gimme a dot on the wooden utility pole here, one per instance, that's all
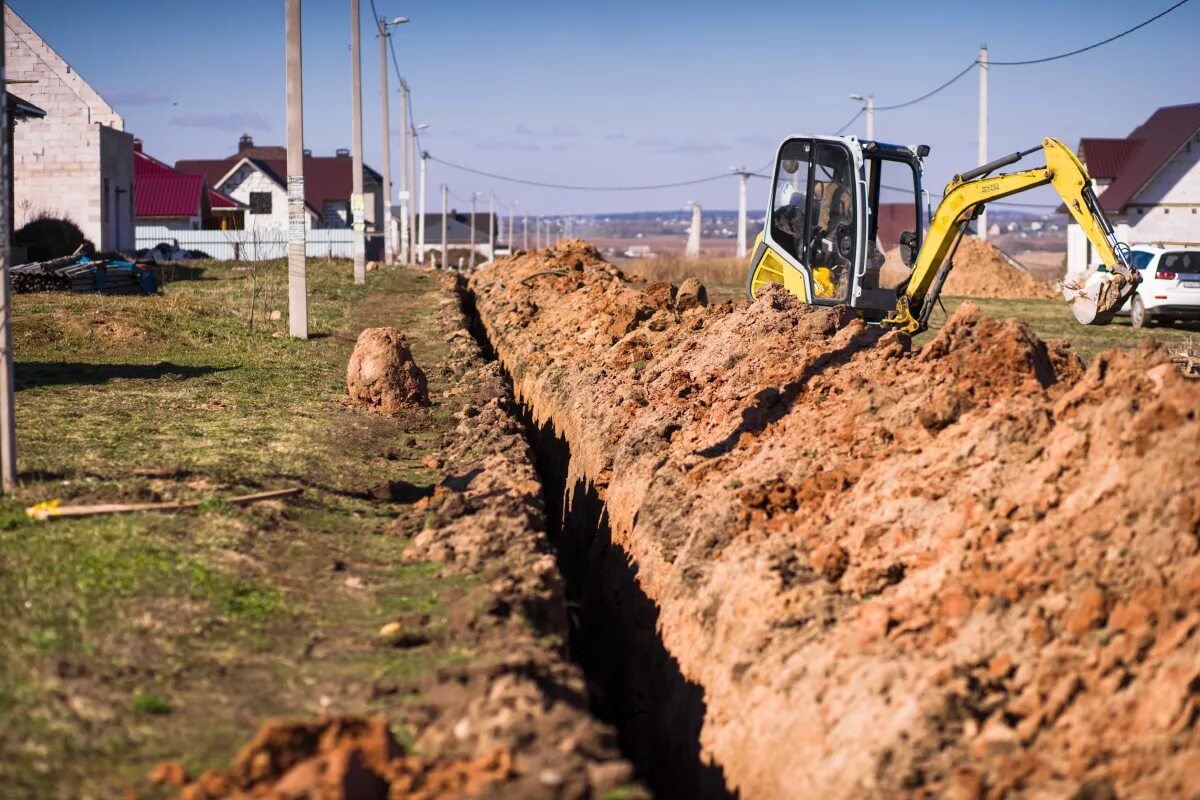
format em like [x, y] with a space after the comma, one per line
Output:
[388, 245]
[297, 213]
[445, 211]
[357, 202]
[8, 425]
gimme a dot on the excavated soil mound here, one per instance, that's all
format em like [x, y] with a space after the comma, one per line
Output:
[345, 758]
[382, 375]
[970, 570]
[980, 270]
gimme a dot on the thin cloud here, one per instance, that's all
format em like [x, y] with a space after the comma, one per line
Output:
[612, 137]
[757, 139]
[655, 142]
[236, 121]
[521, 130]
[497, 144]
[565, 132]
[142, 97]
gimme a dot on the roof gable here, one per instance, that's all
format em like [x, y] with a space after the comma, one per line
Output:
[1157, 140]
[327, 179]
[1105, 157]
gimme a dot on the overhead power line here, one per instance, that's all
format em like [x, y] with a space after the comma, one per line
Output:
[850, 122]
[570, 187]
[966, 70]
[1126, 32]
[930, 94]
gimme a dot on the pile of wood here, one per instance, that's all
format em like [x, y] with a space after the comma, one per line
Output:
[77, 274]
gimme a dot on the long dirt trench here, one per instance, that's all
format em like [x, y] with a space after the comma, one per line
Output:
[807, 560]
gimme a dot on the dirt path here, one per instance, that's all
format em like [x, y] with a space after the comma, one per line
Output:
[841, 567]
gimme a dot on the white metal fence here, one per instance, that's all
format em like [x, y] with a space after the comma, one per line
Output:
[249, 245]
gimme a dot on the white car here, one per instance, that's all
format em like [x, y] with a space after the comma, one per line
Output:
[1170, 287]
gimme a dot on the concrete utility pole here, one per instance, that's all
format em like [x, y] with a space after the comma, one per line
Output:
[693, 242]
[421, 211]
[357, 202]
[743, 175]
[388, 253]
[412, 181]
[982, 225]
[445, 212]
[491, 226]
[525, 232]
[537, 233]
[474, 197]
[512, 232]
[297, 233]
[8, 426]
[405, 186]
[870, 107]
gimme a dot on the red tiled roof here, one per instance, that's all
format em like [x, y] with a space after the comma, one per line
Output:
[326, 178]
[1158, 139]
[1105, 157]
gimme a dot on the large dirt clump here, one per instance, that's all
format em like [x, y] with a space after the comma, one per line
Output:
[980, 270]
[382, 375]
[967, 570]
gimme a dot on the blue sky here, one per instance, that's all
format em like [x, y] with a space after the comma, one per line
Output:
[626, 92]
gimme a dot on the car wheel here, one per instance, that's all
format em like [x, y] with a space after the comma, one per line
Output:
[1138, 317]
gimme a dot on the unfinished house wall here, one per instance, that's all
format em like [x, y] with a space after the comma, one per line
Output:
[60, 165]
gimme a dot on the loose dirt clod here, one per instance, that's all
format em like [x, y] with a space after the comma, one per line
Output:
[691, 294]
[382, 375]
[886, 571]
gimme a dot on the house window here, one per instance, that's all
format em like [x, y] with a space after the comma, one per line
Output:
[260, 202]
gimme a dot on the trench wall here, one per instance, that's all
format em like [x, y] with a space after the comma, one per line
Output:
[822, 563]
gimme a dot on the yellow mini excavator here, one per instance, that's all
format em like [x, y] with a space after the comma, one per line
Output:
[821, 234]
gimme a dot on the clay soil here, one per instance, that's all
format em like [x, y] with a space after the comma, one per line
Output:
[979, 271]
[969, 569]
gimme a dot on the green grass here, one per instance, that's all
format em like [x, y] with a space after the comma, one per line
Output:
[133, 638]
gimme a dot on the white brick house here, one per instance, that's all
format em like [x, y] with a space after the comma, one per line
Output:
[77, 163]
[265, 195]
[1147, 183]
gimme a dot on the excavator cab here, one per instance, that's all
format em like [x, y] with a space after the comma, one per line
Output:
[821, 239]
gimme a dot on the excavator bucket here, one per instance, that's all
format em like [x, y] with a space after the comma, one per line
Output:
[1097, 301]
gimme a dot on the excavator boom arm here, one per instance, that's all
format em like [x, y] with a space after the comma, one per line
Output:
[966, 193]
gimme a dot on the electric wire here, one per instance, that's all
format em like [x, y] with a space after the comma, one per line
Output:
[577, 188]
[1126, 32]
[930, 94]
[850, 121]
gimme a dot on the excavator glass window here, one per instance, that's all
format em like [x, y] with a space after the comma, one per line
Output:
[893, 239]
[813, 215]
[790, 204]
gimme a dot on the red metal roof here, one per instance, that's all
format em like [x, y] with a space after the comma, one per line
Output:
[160, 191]
[1105, 157]
[1156, 141]
[218, 200]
